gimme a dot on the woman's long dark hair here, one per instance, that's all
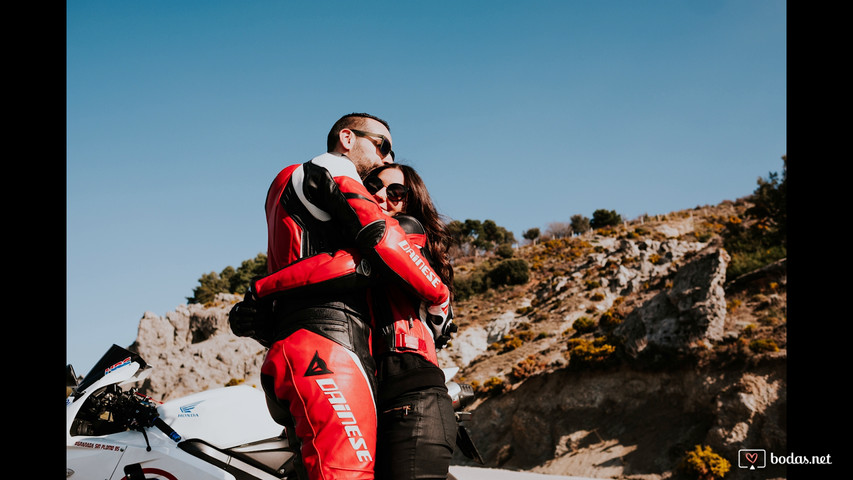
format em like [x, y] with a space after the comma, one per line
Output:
[419, 205]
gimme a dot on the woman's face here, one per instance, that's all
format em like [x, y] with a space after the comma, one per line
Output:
[388, 177]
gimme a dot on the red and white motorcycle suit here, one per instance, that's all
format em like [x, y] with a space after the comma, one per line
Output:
[319, 373]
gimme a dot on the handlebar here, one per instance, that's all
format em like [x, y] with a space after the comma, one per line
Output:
[145, 414]
[165, 428]
[126, 410]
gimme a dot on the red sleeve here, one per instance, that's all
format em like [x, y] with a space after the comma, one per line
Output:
[327, 272]
[321, 271]
[379, 237]
[384, 242]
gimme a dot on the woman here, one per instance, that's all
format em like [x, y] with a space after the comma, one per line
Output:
[417, 426]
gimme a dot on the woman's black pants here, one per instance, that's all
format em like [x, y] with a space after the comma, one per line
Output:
[415, 437]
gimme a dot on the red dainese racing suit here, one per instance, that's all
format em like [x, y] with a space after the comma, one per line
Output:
[319, 374]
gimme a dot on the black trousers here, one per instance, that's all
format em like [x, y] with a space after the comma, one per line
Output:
[415, 436]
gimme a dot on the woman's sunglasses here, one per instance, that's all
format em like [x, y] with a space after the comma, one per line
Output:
[395, 192]
[384, 145]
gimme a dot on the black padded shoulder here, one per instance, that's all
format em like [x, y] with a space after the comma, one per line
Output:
[410, 224]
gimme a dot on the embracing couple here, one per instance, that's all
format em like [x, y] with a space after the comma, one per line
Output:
[356, 303]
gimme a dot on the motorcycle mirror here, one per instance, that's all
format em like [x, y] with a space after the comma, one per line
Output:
[70, 377]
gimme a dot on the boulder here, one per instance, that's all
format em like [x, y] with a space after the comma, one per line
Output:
[688, 315]
[192, 349]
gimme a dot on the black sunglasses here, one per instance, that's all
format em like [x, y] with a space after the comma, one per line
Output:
[395, 192]
[384, 145]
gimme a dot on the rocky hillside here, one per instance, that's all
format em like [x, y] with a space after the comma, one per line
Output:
[624, 350]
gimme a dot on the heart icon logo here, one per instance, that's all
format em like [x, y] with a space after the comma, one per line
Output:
[752, 457]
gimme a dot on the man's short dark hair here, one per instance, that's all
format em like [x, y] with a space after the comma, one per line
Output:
[352, 120]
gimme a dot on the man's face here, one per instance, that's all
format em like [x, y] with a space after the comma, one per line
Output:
[365, 150]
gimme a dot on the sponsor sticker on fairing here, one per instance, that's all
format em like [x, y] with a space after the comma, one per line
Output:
[117, 365]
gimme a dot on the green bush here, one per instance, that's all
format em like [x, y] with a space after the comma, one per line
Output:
[514, 271]
[510, 343]
[230, 280]
[580, 224]
[209, 285]
[746, 259]
[512, 340]
[764, 240]
[531, 235]
[610, 320]
[510, 272]
[605, 218]
[763, 345]
[494, 385]
[770, 203]
[589, 353]
[475, 236]
[584, 325]
[249, 269]
[505, 250]
[473, 283]
[528, 367]
[704, 464]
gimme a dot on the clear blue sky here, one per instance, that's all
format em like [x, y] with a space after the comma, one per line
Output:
[179, 114]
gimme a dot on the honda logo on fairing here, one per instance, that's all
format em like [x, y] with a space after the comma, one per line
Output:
[187, 410]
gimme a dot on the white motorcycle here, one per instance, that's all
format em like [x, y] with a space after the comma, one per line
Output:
[224, 433]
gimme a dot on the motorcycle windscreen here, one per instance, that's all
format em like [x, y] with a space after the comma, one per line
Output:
[115, 357]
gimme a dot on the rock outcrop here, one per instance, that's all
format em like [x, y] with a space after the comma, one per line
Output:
[192, 349]
[626, 423]
[689, 315]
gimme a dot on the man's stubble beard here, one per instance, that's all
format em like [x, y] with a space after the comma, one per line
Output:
[362, 163]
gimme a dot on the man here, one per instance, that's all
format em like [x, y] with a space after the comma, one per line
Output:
[319, 373]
